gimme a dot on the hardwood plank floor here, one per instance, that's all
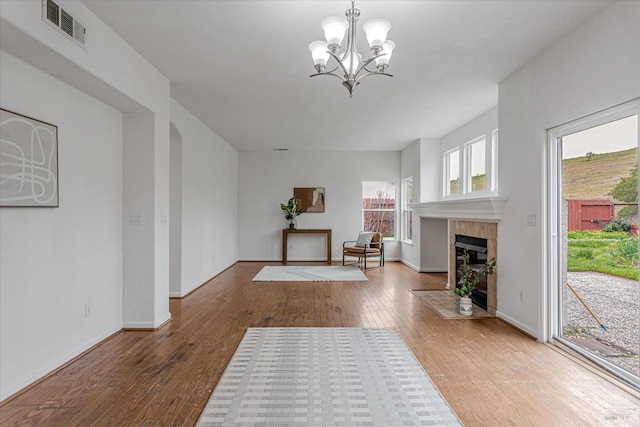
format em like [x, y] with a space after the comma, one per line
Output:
[491, 374]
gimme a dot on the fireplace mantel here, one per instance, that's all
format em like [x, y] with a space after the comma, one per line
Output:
[480, 209]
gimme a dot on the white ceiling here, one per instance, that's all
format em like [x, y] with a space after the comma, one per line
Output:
[242, 67]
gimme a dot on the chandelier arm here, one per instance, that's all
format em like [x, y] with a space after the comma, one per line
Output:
[329, 74]
[340, 64]
[363, 66]
[373, 74]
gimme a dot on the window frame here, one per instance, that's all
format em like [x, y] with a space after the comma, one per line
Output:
[468, 162]
[446, 184]
[406, 213]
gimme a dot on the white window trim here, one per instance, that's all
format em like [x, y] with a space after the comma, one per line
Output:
[404, 208]
[466, 170]
[447, 170]
[493, 169]
[464, 180]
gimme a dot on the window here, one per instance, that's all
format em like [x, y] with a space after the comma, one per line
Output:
[407, 214]
[452, 172]
[379, 207]
[475, 171]
[472, 169]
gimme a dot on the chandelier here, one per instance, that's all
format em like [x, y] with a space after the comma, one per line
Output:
[350, 67]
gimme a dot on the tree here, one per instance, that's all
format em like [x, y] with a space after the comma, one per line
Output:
[375, 217]
[627, 191]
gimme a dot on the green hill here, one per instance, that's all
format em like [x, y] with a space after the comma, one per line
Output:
[585, 178]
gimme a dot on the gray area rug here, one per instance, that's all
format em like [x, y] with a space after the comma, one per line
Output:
[309, 273]
[325, 377]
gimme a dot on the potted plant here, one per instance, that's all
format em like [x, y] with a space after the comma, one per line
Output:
[469, 279]
[291, 211]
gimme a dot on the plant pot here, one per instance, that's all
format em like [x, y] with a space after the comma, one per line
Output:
[292, 224]
[466, 306]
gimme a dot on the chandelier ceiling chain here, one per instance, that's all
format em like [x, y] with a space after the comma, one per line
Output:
[350, 67]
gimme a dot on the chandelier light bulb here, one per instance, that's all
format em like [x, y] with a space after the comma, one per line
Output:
[376, 31]
[319, 53]
[351, 68]
[382, 62]
[334, 28]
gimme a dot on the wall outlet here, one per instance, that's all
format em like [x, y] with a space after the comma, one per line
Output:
[521, 296]
[87, 310]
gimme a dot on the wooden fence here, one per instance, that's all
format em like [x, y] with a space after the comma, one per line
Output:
[586, 214]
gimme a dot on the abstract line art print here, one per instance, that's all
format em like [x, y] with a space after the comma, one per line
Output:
[28, 161]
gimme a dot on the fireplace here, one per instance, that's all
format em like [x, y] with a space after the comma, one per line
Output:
[476, 235]
[478, 217]
[477, 250]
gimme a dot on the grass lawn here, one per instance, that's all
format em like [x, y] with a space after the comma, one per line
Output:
[614, 253]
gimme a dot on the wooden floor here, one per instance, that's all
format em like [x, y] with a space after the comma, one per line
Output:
[490, 374]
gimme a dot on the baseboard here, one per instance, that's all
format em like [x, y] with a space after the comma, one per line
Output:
[517, 324]
[408, 264]
[195, 288]
[57, 366]
[146, 326]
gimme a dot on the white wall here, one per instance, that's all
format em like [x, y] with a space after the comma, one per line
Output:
[53, 261]
[112, 71]
[430, 170]
[267, 178]
[209, 201]
[595, 67]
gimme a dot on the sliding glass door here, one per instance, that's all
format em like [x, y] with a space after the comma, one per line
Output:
[593, 239]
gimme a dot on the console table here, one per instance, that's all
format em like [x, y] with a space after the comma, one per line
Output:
[287, 231]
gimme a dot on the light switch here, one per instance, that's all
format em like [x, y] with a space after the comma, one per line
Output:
[135, 219]
[531, 219]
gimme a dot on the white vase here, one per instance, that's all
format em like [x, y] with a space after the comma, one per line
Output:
[466, 306]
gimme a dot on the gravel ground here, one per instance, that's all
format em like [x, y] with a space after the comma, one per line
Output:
[616, 302]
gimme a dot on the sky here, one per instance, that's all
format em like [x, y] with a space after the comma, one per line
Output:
[369, 188]
[608, 138]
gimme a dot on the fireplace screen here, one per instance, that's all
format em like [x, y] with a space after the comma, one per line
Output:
[477, 250]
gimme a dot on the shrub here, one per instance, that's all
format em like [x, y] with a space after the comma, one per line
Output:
[626, 251]
[616, 225]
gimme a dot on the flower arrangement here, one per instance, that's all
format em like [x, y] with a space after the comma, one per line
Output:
[469, 278]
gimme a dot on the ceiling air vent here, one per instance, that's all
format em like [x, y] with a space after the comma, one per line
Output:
[63, 21]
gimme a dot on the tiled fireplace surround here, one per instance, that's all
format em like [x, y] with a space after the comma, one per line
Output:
[469, 217]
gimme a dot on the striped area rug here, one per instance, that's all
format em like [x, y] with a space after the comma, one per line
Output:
[325, 377]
